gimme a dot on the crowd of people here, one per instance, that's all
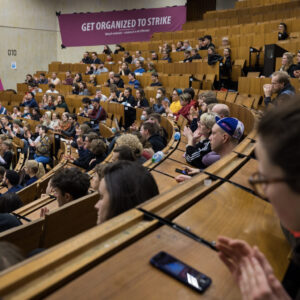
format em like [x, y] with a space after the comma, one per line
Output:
[211, 133]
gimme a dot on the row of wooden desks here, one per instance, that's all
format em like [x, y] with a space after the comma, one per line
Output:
[228, 211]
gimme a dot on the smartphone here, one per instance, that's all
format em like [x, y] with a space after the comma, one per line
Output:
[184, 172]
[181, 271]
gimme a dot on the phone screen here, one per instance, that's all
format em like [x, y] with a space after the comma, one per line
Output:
[181, 271]
[184, 172]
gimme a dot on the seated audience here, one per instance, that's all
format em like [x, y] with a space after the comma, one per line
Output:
[85, 155]
[77, 78]
[70, 131]
[8, 221]
[16, 112]
[116, 195]
[6, 154]
[161, 101]
[86, 58]
[150, 131]
[136, 147]
[139, 69]
[288, 64]
[166, 56]
[9, 202]
[34, 171]
[226, 69]
[69, 78]
[137, 56]
[222, 110]
[151, 67]
[86, 106]
[154, 79]
[93, 80]
[69, 184]
[43, 79]
[106, 50]
[43, 146]
[225, 135]
[195, 54]
[195, 151]
[98, 113]
[201, 44]
[99, 96]
[11, 180]
[100, 69]
[133, 81]
[124, 69]
[141, 100]
[29, 101]
[207, 42]
[3, 110]
[75, 89]
[98, 149]
[277, 179]
[187, 56]
[52, 89]
[122, 153]
[225, 42]
[282, 32]
[213, 56]
[127, 58]
[280, 85]
[185, 102]
[110, 79]
[55, 122]
[118, 81]
[54, 79]
[95, 59]
[83, 90]
[61, 103]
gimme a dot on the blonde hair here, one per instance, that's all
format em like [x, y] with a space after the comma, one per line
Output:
[289, 57]
[132, 142]
[36, 167]
[208, 119]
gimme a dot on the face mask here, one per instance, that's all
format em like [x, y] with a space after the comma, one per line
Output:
[143, 118]
[158, 96]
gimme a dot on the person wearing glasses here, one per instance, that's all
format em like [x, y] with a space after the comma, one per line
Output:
[280, 85]
[278, 180]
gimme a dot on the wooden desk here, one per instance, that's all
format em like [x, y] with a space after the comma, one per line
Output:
[245, 172]
[128, 274]
[168, 166]
[178, 156]
[164, 182]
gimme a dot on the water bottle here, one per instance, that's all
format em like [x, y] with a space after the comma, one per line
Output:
[157, 157]
[177, 136]
[114, 130]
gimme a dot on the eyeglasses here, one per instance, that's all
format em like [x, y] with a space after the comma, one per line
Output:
[258, 181]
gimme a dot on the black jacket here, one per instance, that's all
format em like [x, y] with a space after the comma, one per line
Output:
[157, 142]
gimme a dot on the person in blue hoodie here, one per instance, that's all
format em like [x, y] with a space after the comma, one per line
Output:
[29, 101]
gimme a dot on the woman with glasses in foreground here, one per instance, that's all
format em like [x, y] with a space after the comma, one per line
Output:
[278, 180]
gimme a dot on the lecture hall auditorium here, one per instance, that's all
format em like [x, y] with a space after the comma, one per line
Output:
[158, 169]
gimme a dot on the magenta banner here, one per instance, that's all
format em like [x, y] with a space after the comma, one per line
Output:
[114, 27]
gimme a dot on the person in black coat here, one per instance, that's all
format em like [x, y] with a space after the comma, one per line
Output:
[150, 131]
[213, 56]
[6, 155]
[226, 69]
[140, 98]
[282, 32]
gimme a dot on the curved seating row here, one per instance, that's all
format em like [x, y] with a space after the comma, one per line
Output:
[87, 249]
